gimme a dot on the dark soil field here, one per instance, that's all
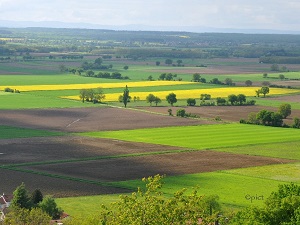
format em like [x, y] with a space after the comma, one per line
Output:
[89, 119]
[24, 150]
[43, 150]
[143, 166]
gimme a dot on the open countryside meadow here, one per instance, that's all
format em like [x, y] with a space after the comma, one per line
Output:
[86, 153]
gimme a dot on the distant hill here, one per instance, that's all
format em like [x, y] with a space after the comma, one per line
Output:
[137, 27]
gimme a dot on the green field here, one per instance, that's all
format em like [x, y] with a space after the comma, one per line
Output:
[232, 189]
[205, 136]
[7, 132]
[27, 101]
[285, 150]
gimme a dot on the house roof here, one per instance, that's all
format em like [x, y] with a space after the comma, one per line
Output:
[5, 198]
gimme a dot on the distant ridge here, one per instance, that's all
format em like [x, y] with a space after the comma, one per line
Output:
[136, 27]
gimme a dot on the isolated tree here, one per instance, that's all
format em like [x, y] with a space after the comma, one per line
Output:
[162, 76]
[196, 77]
[150, 98]
[258, 92]
[232, 99]
[205, 96]
[49, 206]
[221, 101]
[180, 113]
[21, 198]
[281, 76]
[90, 93]
[265, 75]
[228, 81]
[241, 98]
[274, 67]
[179, 61]
[252, 118]
[36, 197]
[276, 119]
[264, 116]
[248, 83]
[157, 100]
[62, 68]
[265, 90]
[285, 110]
[90, 73]
[125, 67]
[98, 95]
[171, 98]
[98, 61]
[150, 78]
[296, 123]
[125, 97]
[191, 102]
[168, 61]
[157, 63]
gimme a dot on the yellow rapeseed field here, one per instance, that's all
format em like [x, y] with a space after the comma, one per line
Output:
[94, 85]
[195, 93]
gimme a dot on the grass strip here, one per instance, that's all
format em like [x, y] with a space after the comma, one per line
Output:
[8, 132]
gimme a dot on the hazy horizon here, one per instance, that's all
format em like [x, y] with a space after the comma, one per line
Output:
[277, 15]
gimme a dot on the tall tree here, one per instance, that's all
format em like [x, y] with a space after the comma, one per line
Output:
[36, 196]
[49, 206]
[21, 198]
[126, 97]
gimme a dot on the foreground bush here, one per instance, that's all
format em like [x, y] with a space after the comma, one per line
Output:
[151, 207]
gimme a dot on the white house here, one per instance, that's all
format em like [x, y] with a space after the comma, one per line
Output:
[5, 201]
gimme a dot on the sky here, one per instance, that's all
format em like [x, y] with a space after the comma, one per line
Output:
[236, 14]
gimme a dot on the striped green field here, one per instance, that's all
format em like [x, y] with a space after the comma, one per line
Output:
[204, 136]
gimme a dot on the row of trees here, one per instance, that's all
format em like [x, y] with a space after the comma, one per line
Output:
[269, 118]
[31, 209]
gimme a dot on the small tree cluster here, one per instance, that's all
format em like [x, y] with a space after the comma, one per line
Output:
[23, 205]
[167, 76]
[152, 98]
[92, 95]
[107, 75]
[197, 78]
[269, 118]
[264, 90]
[11, 90]
[191, 102]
